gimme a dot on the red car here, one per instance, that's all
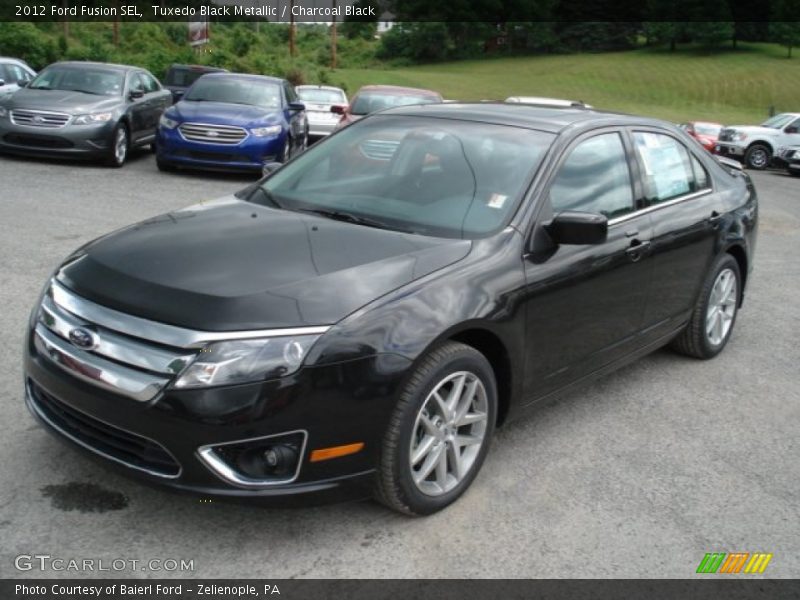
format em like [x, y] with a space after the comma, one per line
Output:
[704, 132]
[371, 98]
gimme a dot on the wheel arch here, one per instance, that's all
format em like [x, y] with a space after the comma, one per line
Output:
[761, 142]
[494, 349]
[740, 255]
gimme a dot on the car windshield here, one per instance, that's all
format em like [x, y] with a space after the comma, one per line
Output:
[369, 102]
[707, 129]
[235, 91]
[89, 80]
[322, 96]
[438, 177]
[183, 77]
[777, 121]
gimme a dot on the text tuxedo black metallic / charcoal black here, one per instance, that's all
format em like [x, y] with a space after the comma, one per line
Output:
[361, 319]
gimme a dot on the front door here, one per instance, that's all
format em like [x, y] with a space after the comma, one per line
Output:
[585, 303]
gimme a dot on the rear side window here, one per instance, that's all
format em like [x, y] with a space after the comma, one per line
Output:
[594, 178]
[668, 170]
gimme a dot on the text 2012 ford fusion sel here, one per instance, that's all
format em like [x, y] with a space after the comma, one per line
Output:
[363, 318]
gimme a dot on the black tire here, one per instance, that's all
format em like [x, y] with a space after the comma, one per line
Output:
[394, 486]
[793, 172]
[694, 340]
[286, 151]
[757, 157]
[113, 159]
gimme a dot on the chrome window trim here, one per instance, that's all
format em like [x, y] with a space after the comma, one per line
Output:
[113, 345]
[162, 333]
[655, 207]
[97, 371]
[44, 418]
[222, 470]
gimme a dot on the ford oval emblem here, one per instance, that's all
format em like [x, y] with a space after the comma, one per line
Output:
[82, 338]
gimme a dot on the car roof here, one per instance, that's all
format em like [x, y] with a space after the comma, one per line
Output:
[198, 68]
[397, 89]
[312, 86]
[226, 75]
[553, 120]
[88, 63]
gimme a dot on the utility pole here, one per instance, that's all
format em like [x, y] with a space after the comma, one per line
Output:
[65, 4]
[116, 24]
[292, 50]
[333, 37]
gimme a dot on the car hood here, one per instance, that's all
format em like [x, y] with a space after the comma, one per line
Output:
[753, 130]
[232, 265]
[223, 113]
[61, 101]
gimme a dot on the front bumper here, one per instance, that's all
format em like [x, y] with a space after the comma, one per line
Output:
[729, 149]
[160, 441]
[77, 141]
[249, 155]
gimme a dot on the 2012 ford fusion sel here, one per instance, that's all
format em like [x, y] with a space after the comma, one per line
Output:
[361, 320]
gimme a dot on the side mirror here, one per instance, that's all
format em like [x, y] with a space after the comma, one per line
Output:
[136, 94]
[338, 109]
[269, 167]
[573, 227]
[297, 106]
[2, 81]
[790, 130]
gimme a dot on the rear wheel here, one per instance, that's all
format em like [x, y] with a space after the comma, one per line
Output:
[757, 156]
[714, 315]
[439, 433]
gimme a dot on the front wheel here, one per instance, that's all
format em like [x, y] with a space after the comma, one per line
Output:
[757, 157]
[439, 432]
[120, 145]
[714, 315]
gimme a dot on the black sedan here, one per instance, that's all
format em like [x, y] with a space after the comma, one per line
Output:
[363, 318]
[83, 110]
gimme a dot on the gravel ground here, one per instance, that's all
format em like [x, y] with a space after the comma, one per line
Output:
[638, 475]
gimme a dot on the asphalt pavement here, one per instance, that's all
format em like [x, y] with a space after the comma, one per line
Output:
[638, 475]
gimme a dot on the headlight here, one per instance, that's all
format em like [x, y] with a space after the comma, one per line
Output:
[266, 131]
[240, 361]
[168, 123]
[93, 118]
[739, 136]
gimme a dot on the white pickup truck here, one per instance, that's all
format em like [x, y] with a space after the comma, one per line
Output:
[757, 145]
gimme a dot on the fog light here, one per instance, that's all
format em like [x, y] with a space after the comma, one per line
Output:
[257, 462]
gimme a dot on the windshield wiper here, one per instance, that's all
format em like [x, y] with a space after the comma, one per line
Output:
[87, 92]
[338, 215]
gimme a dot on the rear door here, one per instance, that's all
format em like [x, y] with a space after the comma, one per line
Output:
[585, 304]
[686, 211]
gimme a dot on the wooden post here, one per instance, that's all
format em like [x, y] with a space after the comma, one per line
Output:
[116, 24]
[65, 4]
[333, 37]
[292, 50]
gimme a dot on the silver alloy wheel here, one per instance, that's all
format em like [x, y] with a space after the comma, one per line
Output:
[448, 433]
[721, 307]
[121, 145]
[758, 158]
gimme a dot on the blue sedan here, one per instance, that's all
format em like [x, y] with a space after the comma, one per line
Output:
[235, 122]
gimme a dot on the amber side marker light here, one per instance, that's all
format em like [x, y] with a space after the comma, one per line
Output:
[335, 451]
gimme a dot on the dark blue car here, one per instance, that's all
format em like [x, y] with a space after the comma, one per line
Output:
[232, 121]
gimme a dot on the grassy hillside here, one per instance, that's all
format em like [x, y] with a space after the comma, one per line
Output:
[731, 87]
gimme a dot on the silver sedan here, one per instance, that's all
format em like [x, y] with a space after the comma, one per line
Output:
[318, 100]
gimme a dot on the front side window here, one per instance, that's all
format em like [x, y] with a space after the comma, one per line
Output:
[594, 178]
[668, 172]
[149, 82]
[438, 177]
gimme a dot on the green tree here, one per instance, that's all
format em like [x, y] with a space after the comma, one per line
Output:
[782, 29]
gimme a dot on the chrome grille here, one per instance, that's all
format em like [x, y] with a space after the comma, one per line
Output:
[39, 118]
[378, 149]
[212, 134]
[726, 135]
[120, 363]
